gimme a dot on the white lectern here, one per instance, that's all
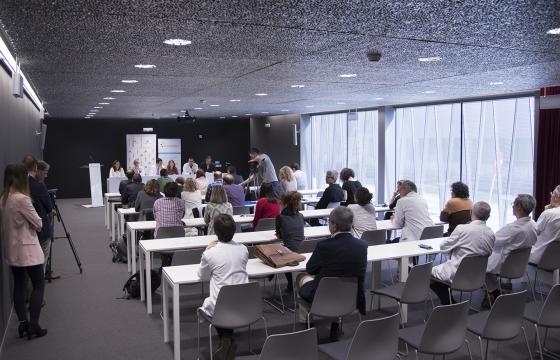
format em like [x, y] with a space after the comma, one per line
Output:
[95, 184]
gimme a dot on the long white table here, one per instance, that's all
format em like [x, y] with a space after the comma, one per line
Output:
[175, 276]
[106, 198]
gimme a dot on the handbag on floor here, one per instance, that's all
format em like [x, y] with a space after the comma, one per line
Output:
[277, 255]
[132, 286]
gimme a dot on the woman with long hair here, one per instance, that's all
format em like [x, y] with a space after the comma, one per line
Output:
[268, 205]
[218, 205]
[287, 179]
[22, 251]
[171, 168]
[116, 169]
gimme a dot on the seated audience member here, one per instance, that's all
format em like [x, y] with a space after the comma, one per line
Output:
[116, 169]
[163, 179]
[411, 212]
[301, 178]
[235, 192]
[237, 179]
[289, 226]
[201, 181]
[122, 185]
[180, 181]
[341, 255]
[332, 194]
[148, 196]
[137, 168]
[287, 179]
[349, 185]
[218, 205]
[548, 226]
[224, 262]
[393, 202]
[169, 210]
[458, 209]
[193, 200]
[190, 167]
[364, 213]
[473, 239]
[172, 168]
[159, 167]
[519, 234]
[218, 181]
[208, 165]
[131, 190]
[267, 206]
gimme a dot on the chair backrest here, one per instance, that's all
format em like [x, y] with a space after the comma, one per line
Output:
[170, 232]
[471, 273]
[335, 297]
[308, 246]
[240, 210]
[376, 339]
[550, 259]
[186, 257]
[320, 193]
[265, 224]
[504, 320]
[195, 212]
[299, 345]
[417, 286]
[147, 214]
[446, 329]
[432, 232]
[333, 205]
[515, 264]
[375, 237]
[550, 312]
[238, 305]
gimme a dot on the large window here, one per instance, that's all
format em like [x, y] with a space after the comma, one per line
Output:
[362, 148]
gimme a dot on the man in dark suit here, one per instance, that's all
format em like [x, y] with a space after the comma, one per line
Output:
[131, 190]
[333, 193]
[341, 255]
[122, 185]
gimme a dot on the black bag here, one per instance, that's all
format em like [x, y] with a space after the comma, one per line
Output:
[118, 248]
[132, 286]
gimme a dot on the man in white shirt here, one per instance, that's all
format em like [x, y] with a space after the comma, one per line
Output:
[470, 239]
[517, 235]
[301, 178]
[224, 262]
[190, 168]
[548, 226]
[411, 212]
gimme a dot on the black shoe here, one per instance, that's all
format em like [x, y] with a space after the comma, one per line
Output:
[23, 328]
[336, 332]
[35, 330]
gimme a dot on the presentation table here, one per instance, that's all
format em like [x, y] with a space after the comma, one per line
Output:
[175, 276]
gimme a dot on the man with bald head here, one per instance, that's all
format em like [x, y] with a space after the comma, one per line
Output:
[472, 239]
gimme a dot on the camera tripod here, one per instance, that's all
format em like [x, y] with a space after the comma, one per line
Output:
[66, 236]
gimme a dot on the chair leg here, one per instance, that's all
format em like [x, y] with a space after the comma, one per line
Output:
[210, 338]
[500, 286]
[481, 347]
[308, 321]
[450, 296]
[416, 352]
[197, 335]
[539, 341]
[527, 343]
[469, 348]
[265, 326]
[530, 286]
[249, 340]
[487, 346]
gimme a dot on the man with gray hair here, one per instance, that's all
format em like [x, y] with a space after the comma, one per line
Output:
[473, 239]
[332, 194]
[411, 212]
[341, 255]
[548, 226]
[519, 234]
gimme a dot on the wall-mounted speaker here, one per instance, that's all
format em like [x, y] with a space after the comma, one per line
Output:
[295, 133]
[17, 83]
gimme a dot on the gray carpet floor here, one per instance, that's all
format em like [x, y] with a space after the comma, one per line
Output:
[87, 318]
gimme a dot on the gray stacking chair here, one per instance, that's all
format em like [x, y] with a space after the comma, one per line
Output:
[377, 237]
[444, 333]
[335, 297]
[266, 224]
[545, 314]
[299, 345]
[502, 323]
[241, 210]
[333, 205]
[549, 262]
[189, 257]
[170, 232]
[147, 214]
[237, 306]
[374, 339]
[432, 232]
[515, 266]
[415, 290]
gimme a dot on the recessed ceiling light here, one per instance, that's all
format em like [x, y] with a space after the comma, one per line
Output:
[215, 105]
[144, 66]
[428, 92]
[174, 114]
[118, 91]
[379, 98]
[91, 114]
[98, 107]
[94, 111]
[109, 98]
[429, 59]
[340, 103]
[265, 112]
[104, 103]
[222, 117]
[298, 86]
[309, 106]
[248, 114]
[183, 111]
[177, 42]
[129, 81]
[199, 108]
[285, 110]
[496, 83]
[554, 31]
[347, 75]
[234, 100]
[261, 94]
[234, 116]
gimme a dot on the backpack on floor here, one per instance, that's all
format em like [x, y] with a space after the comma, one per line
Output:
[118, 249]
[132, 286]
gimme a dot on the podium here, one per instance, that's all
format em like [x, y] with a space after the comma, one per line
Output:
[94, 184]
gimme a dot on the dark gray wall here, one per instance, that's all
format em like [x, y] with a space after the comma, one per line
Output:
[276, 140]
[19, 119]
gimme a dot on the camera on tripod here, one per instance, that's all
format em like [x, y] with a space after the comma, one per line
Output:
[253, 165]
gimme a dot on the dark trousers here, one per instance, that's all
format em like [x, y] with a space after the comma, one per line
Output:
[442, 291]
[37, 275]
[224, 332]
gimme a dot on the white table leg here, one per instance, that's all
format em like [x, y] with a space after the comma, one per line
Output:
[128, 252]
[121, 227]
[376, 279]
[106, 204]
[165, 309]
[113, 219]
[141, 271]
[133, 248]
[149, 281]
[176, 323]
[403, 264]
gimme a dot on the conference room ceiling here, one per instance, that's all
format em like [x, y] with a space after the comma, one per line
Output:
[76, 51]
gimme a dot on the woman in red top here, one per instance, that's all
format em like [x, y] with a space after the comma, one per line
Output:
[268, 205]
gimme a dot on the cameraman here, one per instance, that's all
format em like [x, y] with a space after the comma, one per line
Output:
[265, 171]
